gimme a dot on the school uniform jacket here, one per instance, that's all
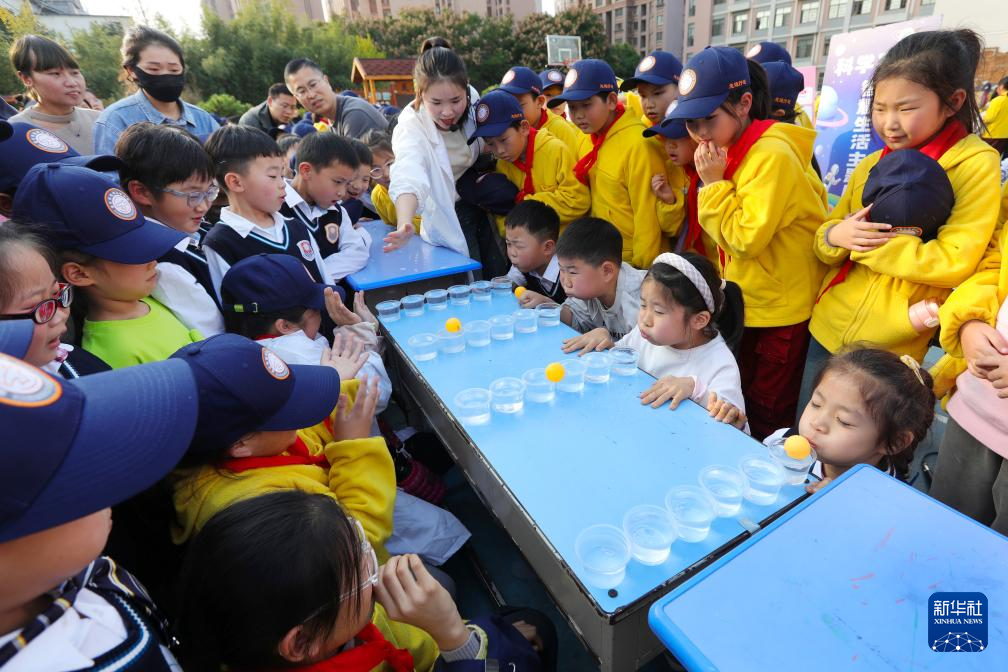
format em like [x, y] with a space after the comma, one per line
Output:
[872, 303]
[553, 177]
[186, 288]
[340, 245]
[563, 130]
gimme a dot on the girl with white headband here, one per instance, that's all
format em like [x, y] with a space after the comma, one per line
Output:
[678, 340]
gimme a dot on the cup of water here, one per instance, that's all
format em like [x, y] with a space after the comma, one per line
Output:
[480, 290]
[473, 406]
[458, 295]
[388, 311]
[437, 299]
[693, 511]
[763, 477]
[549, 314]
[574, 375]
[604, 552]
[502, 327]
[538, 387]
[726, 486]
[598, 364]
[651, 531]
[507, 395]
[413, 305]
[624, 361]
[423, 346]
[477, 333]
[501, 286]
[795, 469]
[451, 341]
[526, 321]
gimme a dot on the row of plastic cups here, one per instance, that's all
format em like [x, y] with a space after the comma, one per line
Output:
[434, 299]
[508, 395]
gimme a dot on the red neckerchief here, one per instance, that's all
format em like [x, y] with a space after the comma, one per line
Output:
[297, 453]
[526, 167]
[364, 657]
[941, 142]
[737, 152]
[585, 163]
[693, 240]
[543, 118]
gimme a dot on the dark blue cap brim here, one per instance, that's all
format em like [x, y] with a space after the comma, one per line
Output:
[316, 299]
[697, 108]
[581, 94]
[103, 163]
[516, 90]
[645, 78]
[16, 336]
[6, 130]
[135, 425]
[316, 391]
[491, 130]
[663, 131]
[137, 246]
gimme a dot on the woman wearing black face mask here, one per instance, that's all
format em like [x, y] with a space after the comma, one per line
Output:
[153, 62]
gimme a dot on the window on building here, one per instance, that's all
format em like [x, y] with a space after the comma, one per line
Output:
[836, 8]
[692, 8]
[809, 12]
[717, 27]
[894, 4]
[739, 47]
[643, 42]
[927, 2]
[660, 20]
[739, 23]
[658, 38]
[643, 24]
[782, 17]
[803, 46]
[618, 13]
[689, 35]
[643, 10]
[861, 7]
[618, 28]
[719, 2]
[762, 19]
[825, 46]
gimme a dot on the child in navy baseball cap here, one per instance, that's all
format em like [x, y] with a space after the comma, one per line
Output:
[785, 85]
[526, 86]
[656, 80]
[72, 450]
[769, 52]
[108, 252]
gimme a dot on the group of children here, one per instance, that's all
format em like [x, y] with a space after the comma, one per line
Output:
[212, 376]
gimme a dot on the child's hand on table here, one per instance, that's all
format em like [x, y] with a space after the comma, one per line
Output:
[669, 388]
[595, 340]
[724, 411]
[529, 299]
[411, 595]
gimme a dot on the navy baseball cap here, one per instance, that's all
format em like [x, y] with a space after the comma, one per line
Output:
[911, 191]
[768, 52]
[551, 77]
[669, 127]
[244, 387]
[84, 210]
[495, 112]
[5, 130]
[16, 336]
[785, 85]
[658, 68]
[585, 79]
[76, 447]
[707, 79]
[520, 80]
[267, 283]
[27, 145]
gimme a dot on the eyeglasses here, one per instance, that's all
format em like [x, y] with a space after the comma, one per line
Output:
[370, 566]
[376, 173]
[194, 198]
[45, 310]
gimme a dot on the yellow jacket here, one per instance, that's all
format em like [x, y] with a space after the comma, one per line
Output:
[620, 184]
[995, 115]
[764, 218]
[872, 304]
[567, 132]
[802, 118]
[361, 477]
[402, 636]
[671, 216]
[553, 177]
[386, 208]
[634, 107]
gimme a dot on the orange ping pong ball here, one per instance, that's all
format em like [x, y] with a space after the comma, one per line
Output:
[518, 292]
[453, 324]
[797, 447]
[555, 372]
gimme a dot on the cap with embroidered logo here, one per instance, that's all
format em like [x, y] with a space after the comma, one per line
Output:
[669, 127]
[707, 80]
[27, 145]
[84, 210]
[585, 79]
[495, 112]
[911, 191]
[768, 52]
[519, 80]
[550, 78]
[267, 283]
[785, 85]
[658, 68]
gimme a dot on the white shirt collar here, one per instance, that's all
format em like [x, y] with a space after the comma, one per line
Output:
[244, 227]
[552, 272]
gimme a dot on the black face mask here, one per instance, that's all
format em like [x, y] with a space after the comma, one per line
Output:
[166, 88]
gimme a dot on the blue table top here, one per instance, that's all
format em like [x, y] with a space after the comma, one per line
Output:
[415, 261]
[841, 579]
[586, 458]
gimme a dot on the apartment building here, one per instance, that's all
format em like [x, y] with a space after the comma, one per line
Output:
[644, 24]
[326, 10]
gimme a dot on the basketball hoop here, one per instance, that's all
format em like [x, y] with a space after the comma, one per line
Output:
[562, 50]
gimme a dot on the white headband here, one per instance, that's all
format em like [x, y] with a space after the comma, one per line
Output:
[691, 272]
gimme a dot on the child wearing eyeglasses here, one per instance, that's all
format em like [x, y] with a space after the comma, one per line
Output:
[170, 177]
[380, 144]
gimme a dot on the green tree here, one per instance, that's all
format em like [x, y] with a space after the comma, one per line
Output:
[13, 26]
[623, 58]
[97, 52]
[224, 104]
[528, 46]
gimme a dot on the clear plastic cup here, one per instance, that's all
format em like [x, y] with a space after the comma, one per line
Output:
[726, 486]
[574, 375]
[598, 365]
[480, 290]
[502, 327]
[389, 311]
[624, 361]
[413, 305]
[437, 299]
[507, 395]
[458, 295]
[693, 511]
[549, 314]
[764, 477]
[423, 346]
[795, 471]
[451, 341]
[651, 531]
[501, 286]
[538, 387]
[477, 333]
[473, 406]
[526, 321]
[604, 552]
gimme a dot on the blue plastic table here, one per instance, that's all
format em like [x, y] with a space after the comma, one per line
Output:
[415, 262]
[582, 459]
[841, 581]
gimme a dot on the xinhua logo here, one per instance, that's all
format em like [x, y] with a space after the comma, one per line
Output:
[957, 622]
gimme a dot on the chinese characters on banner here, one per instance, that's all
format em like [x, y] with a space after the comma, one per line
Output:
[845, 134]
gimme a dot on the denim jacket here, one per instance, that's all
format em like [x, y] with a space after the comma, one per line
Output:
[136, 108]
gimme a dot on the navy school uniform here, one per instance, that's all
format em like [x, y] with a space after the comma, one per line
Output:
[193, 260]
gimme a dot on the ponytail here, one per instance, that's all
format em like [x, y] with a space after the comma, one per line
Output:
[759, 87]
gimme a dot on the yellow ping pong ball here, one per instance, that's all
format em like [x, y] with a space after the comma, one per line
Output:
[797, 447]
[519, 291]
[555, 372]
[453, 324]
